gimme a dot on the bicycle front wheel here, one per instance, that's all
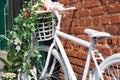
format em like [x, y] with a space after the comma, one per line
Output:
[56, 69]
[110, 68]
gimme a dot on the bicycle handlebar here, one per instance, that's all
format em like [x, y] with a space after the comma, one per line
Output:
[64, 9]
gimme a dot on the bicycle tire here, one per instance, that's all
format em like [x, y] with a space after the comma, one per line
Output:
[57, 69]
[110, 68]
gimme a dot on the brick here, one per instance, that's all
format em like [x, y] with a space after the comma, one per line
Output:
[91, 3]
[96, 21]
[82, 55]
[82, 22]
[95, 3]
[84, 13]
[113, 8]
[67, 15]
[113, 41]
[87, 38]
[68, 45]
[116, 50]
[78, 30]
[80, 48]
[65, 2]
[73, 1]
[97, 11]
[76, 47]
[105, 2]
[75, 22]
[72, 60]
[79, 6]
[79, 69]
[104, 50]
[84, 62]
[88, 22]
[92, 65]
[103, 42]
[118, 31]
[76, 15]
[119, 40]
[115, 19]
[66, 23]
[65, 29]
[112, 29]
[112, 1]
[79, 62]
[105, 19]
[88, 4]
[101, 15]
[71, 53]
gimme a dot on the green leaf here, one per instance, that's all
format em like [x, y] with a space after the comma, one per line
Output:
[11, 55]
[3, 61]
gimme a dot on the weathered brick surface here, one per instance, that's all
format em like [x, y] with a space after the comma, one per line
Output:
[113, 8]
[98, 11]
[105, 19]
[102, 15]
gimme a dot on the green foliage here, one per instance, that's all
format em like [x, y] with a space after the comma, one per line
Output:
[20, 48]
[21, 52]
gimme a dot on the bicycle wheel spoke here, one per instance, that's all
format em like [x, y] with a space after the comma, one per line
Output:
[57, 73]
[112, 72]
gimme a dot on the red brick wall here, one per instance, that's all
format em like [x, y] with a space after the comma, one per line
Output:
[102, 15]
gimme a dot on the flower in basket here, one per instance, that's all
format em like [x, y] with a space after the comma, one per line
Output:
[8, 76]
[53, 5]
[39, 6]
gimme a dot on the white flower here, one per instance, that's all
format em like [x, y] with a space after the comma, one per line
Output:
[17, 41]
[18, 48]
[56, 6]
[34, 6]
[52, 5]
[9, 76]
[23, 9]
[48, 4]
[24, 24]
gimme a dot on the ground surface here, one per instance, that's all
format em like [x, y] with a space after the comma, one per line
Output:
[3, 55]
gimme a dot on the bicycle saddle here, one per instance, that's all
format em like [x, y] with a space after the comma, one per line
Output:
[97, 34]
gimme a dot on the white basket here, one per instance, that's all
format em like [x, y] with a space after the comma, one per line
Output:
[45, 28]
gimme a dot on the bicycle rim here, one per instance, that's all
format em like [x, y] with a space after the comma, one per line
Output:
[56, 69]
[110, 68]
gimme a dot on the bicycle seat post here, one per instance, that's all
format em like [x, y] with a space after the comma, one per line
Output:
[92, 42]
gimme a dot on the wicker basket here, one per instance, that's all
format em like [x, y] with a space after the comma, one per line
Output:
[45, 27]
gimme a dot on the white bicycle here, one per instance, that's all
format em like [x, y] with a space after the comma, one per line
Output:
[57, 66]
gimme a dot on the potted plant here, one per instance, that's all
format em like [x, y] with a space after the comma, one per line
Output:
[21, 52]
[20, 49]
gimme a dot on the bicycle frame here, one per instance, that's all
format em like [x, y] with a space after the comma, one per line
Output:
[81, 42]
[90, 45]
[57, 41]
